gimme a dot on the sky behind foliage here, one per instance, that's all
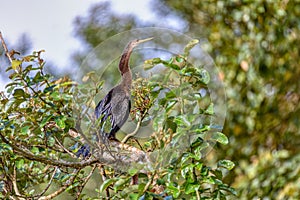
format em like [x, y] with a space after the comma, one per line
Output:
[49, 24]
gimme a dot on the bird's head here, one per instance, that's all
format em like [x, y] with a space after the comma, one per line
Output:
[123, 65]
[139, 41]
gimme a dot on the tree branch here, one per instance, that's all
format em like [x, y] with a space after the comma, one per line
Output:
[48, 185]
[14, 181]
[119, 155]
[103, 176]
[133, 133]
[5, 48]
[65, 149]
[61, 163]
[63, 188]
[85, 180]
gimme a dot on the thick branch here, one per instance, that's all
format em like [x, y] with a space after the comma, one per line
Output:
[120, 155]
[61, 163]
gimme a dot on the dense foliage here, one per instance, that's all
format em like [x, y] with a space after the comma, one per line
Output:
[255, 44]
[41, 123]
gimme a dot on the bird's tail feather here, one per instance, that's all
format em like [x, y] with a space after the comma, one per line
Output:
[84, 151]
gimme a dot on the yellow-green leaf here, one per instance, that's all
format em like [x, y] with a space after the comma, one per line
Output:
[15, 64]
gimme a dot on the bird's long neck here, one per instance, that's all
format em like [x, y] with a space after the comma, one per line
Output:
[124, 67]
[124, 62]
[126, 81]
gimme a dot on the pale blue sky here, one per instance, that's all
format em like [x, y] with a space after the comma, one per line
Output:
[50, 23]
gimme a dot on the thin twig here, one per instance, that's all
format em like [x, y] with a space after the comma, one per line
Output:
[85, 180]
[5, 48]
[149, 182]
[65, 149]
[133, 133]
[63, 188]
[103, 176]
[49, 184]
[14, 181]
[198, 195]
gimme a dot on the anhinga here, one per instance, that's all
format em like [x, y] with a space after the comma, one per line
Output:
[116, 104]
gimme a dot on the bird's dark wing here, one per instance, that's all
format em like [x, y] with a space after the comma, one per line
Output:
[120, 114]
[103, 110]
[116, 105]
[104, 107]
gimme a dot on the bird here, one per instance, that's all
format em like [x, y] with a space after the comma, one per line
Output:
[116, 104]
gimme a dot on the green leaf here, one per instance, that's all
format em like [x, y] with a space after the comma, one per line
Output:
[210, 109]
[20, 164]
[64, 177]
[203, 76]
[51, 141]
[45, 120]
[5, 147]
[202, 128]
[189, 46]
[187, 169]
[132, 171]
[226, 164]
[50, 88]
[186, 157]
[120, 183]
[197, 153]
[171, 64]
[19, 93]
[35, 150]
[134, 196]
[182, 121]
[170, 124]
[55, 95]
[218, 174]
[72, 186]
[188, 71]
[149, 64]
[179, 59]
[25, 130]
[174, 190]
[229, 189]
[220, 137]
[37, 78]
[209, 180]
[107, 183]
[162, 101]
[171, 94]
[191, 187]
[60, 121]
[31, 192]
[15, 64]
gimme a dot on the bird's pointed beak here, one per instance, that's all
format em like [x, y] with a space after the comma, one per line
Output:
[144, 40]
